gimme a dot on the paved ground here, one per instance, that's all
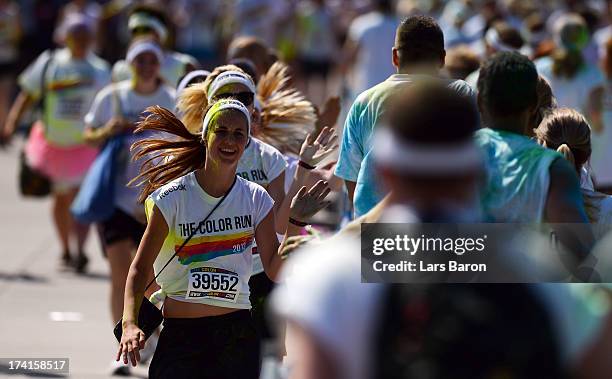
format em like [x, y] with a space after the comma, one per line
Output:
[32, 289]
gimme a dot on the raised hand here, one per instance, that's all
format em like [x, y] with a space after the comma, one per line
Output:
[306, 203]
[314, 150]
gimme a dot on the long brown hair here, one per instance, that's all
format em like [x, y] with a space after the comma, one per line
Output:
[165, 159]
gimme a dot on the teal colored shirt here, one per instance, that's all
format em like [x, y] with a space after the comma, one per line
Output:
[518, 176]
[355, 162]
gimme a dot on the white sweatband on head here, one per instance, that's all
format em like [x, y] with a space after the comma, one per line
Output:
[229, 77]
[189, 77]
[71, 23]
[144, 47]
[144, 20]
[225, 104]
[391, 152]
[493, 39]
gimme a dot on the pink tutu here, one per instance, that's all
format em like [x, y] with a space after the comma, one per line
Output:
[60, 164]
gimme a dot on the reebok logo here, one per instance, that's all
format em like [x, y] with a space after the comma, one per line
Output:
[178, 187]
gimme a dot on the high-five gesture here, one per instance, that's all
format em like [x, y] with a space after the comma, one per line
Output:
[314, 150]
[307, 203]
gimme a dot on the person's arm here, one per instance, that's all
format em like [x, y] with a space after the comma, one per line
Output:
[97, 136]
[20, 105]
[133, 338]
[304, 204]
[350, 188]
[349, 55]
[565, 209]
[276, 189]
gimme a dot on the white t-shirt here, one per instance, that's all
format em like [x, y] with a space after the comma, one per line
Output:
[131, 106]
[374, 33]
[171, 70]
[261, 163]
[571, 93]
[71, 85]
[292, 165]
[215, 266]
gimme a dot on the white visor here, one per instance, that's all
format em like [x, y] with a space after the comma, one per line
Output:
[229, 77]
[189, 77]
[144, 20]
[391, 152]
[144, 47]
[223, 105]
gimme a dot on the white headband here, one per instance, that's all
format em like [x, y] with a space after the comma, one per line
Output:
[189, 77]
[143, 20]
[389, 151]
[494, 40]
[229, 77]
[224, 104]
[144, 47]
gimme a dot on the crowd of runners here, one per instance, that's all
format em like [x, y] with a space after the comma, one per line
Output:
[226, 154]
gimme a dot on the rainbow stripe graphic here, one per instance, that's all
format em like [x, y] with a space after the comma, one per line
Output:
[202, 249]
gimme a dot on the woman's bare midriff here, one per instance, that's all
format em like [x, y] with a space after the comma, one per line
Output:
[181, 309]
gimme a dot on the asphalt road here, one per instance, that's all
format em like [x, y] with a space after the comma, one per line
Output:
[45, 312]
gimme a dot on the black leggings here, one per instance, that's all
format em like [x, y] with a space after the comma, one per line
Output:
[208, 347]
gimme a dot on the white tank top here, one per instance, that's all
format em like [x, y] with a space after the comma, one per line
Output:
[215, 266]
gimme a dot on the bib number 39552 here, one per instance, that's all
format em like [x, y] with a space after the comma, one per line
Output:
[213, 283]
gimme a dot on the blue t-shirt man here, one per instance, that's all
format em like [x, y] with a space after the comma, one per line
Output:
[355, 163]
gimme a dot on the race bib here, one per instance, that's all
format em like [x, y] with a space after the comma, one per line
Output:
[213, 283]
[70, 108]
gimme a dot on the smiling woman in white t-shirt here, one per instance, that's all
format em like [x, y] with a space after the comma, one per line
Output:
[208, 330]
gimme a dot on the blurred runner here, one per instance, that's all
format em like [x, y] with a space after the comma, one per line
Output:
[366, 52]
[114, 114]
[65, 81]
[418, 54]
[567, 131]
[149, 21]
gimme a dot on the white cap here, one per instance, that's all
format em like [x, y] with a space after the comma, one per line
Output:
[229, 77]
[391, 152]
[72, 22]
[189, 77]
[139, 19]
[144, 46]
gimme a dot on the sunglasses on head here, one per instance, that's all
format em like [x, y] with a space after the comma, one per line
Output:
[246, 98]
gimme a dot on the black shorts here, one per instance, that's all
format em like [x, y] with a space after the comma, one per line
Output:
[121, 226]
[215, 347]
